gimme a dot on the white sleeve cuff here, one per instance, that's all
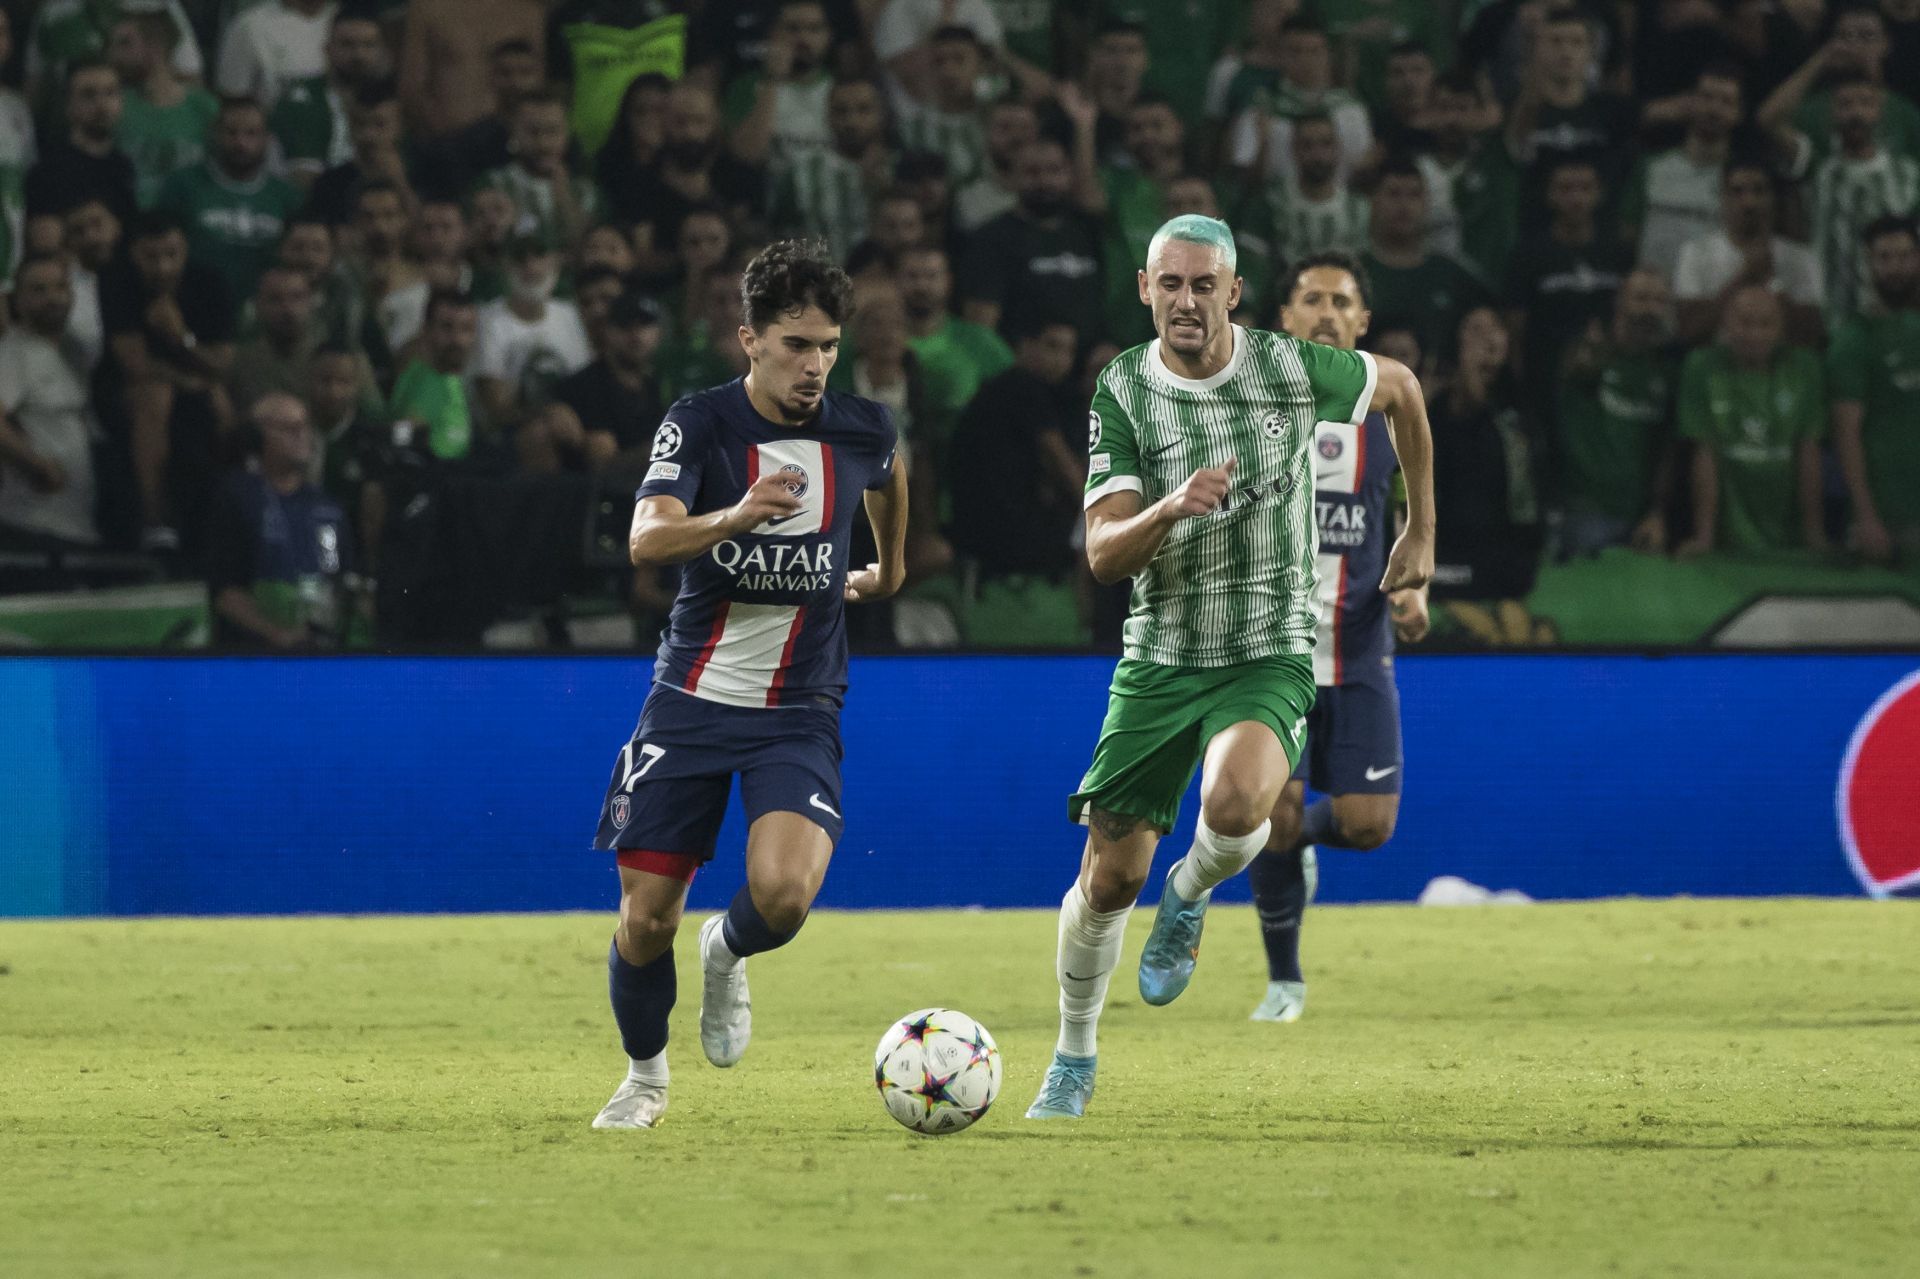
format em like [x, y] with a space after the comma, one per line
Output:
[1118, 484]
[1365, 400]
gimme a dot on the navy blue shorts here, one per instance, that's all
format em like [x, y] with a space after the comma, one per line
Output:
[671, 782]
[1353, 740]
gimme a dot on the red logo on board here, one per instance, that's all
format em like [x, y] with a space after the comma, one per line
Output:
[1878, 800]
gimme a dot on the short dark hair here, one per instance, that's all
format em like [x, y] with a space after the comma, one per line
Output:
[1398, 165]
[356, 11]
[1743, 161]
[1582, 158]
[1564, 14]
[231, 102]
[333, 349]
[544, 96]
[1890, 224]
[81, 66]
[1335, 260]
[1120, 27]
[1846, 78]
[151, 224]
[375, 186]
[596, 275]
[787, 277]
[442, 298]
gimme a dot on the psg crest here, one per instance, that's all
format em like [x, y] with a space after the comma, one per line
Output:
[794, 476]
[1331, 446]
[622, 810]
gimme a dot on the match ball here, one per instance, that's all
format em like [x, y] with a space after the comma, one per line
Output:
[937, 1070]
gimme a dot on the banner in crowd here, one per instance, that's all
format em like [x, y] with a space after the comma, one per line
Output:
[202, 785]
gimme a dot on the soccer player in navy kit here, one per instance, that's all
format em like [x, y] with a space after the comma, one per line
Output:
[752, 486]
[1353, 732]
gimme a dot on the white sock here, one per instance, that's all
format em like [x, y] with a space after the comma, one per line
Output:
[1216, 858]
[652, 1071]
[1090, 942]
[718, 954]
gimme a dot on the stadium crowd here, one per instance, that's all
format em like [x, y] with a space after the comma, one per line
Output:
[364, 313]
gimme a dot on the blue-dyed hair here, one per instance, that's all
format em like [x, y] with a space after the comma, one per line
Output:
[1197, 228]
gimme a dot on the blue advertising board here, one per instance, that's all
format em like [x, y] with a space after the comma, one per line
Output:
[268, 785]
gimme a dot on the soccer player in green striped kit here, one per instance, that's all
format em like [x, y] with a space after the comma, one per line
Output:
[1199, 487]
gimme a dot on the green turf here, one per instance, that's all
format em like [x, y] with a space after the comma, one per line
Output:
[1633, 1088]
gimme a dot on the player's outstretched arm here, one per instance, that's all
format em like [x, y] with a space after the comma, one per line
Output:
[1123, 537]
[887, 512]
[663, 532]
[1397, 394]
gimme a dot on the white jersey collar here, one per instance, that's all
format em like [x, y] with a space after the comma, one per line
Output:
[1159, 365]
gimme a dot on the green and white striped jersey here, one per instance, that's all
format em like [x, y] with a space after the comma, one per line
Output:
[1302, 226]
[1237, 585]
[958, 137]
[822, 193]
[1847, 195]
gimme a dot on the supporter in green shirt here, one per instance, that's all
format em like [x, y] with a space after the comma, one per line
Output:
[1756, 411]
[1409, 279]
[163, 121]
[311, 119]
[955, 356]
[546, 194]
[1184, 37]
[233, 208]
[1616, 394]
[431, 400]
[1136, 206]
[1873, 381]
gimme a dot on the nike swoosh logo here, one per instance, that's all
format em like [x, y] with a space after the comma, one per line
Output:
[1163, 451]
[1078, 977]
[821, 804]
[1375, 774]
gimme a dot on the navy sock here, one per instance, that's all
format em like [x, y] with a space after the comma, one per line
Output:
[1280, 900]
[745, 932]
[642, 996]
[1316, 824]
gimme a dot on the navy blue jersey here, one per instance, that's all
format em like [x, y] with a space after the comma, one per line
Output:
[760, 618]
[1353, 469]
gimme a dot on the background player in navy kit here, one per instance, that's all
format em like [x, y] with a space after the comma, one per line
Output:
[751, 487]
[1353, 732]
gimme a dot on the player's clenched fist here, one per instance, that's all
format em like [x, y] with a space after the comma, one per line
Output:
[768, 499]
[1203, 492]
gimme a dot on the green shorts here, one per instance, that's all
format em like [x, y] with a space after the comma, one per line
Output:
[1160, 719]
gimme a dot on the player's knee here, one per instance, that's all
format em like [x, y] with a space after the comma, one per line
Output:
[645, 933]
[1233, 812]
[1367, 833]
[784, 906]
[1112, 887]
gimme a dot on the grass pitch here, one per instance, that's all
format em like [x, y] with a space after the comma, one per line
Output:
[1630, 1088]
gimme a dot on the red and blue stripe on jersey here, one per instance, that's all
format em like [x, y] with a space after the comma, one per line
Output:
[1353, 469]
[759, 619]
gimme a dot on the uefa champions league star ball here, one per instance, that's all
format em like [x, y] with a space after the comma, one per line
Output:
[937, 1070]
